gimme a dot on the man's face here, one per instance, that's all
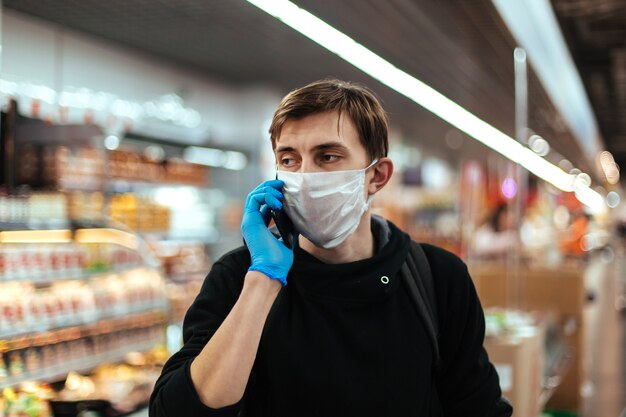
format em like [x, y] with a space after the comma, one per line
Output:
[320, 142]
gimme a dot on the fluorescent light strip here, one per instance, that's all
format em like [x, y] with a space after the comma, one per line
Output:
[591, 199]
[422, 94]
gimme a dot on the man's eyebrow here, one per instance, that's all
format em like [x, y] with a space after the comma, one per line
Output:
[321, 146]
[331, 145]
[285, 149]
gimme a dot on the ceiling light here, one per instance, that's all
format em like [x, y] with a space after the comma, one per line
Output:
[594, 201]
[235, 160]
[612, 178]
[612, 199]
[539, 145]
[204, 156]
[168, 108]
[612, 173]
[422, 94]
[582, 180]
[215, 157]
[610, 168]
[566, 165]
[111, 142]
[606, 158]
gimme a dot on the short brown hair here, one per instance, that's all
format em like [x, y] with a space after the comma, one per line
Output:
[356, 100]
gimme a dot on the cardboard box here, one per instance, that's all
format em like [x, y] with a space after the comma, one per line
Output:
[519, 362]
[559, 291]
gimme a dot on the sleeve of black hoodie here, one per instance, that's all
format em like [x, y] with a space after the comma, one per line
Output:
[174, 394]
[468, 384]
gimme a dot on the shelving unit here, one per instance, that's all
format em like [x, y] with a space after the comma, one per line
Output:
[58, 372]
[36, 337]
[128, 310]
[48, 280]
[62, 191]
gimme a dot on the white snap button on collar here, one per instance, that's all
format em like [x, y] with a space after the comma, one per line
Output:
[384, 279]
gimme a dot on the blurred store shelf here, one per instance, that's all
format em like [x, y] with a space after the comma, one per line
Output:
[58, 372]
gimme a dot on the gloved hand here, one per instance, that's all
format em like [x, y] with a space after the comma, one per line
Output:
[269, 255]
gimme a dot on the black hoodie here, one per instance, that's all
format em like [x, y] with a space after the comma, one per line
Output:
[343, 340]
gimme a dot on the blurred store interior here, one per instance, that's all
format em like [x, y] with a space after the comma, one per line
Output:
[133, 130]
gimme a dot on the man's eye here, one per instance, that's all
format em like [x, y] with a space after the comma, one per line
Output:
[329, 158]
[286, 162]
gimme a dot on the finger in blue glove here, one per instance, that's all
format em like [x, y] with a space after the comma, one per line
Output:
[268, 255]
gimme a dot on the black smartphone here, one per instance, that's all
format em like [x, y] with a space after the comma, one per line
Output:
[284, 226]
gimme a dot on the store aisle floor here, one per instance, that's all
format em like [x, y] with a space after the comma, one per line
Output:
[606, 341]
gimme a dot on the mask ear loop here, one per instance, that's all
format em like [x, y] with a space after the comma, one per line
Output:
[371, 197]
[374, 162]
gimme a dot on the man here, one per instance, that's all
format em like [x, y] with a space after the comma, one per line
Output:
[327, 328]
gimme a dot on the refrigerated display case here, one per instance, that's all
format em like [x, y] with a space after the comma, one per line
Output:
[88, 270]
[64, 176]
[71, 300]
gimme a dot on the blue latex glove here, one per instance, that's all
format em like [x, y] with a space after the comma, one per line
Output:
[269, 255]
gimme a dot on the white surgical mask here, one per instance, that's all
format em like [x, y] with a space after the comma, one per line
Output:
[325, 207]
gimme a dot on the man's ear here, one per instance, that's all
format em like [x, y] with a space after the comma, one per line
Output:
[382, 174]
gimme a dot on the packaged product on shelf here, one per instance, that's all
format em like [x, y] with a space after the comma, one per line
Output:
[16, 365]
[12, 315]
[30, 400]
[47, 209]
[48, 356]
[14, 210]
[177, 170]
[128, 165]
[72, 305]
[41, 263]
[114, 389]
[31, 359]
[81, 169]
[78, 349]
[26, 309]
[181, 296]
[139, 213]
[76, 303]
[3, 368]
[183, 261]
[27, 171]
[37, 316]
[128, 292]
[7, 268]
[87, 207]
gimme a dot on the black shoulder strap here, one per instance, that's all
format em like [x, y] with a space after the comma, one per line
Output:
[420, 283]
[421, 287]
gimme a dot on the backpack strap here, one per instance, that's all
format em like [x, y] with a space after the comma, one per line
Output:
[421, 286]
[420, 283]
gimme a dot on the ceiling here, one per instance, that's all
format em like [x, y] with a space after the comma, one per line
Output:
[595, 31]
[459, 47]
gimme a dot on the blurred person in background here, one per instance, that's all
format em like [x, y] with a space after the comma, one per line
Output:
[537, 235]
[328, 327]
[497, 236]
[571, 242]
